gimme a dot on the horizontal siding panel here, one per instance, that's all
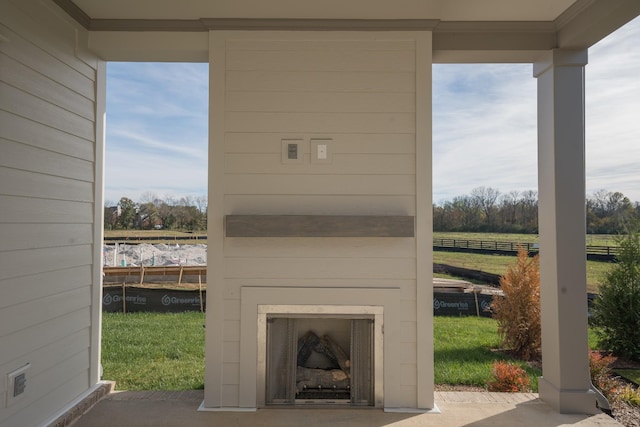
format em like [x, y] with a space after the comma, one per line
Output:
[408, 331]
[330, 81]
[319, 205]
[232, 330]
[354, 164]
[321, 184]
[48, 356]
[326, 44]
[322, 60]
[232, 287]
[230, 373]
[18, 290]
[231, 352]
[25, 341]
[255, 143]
[46, 64]
[21, 263]
[373, 247]
[21, 156]
[232, 310]
[31, 313]
[24, 78]
[48, 381]
[408, 374]
[49, 400]
[36, 236]
[321, 122]
[20, 129]
[22, 104]
[24, 210]
[312, 102]
[409, 308]
[48, 31]
[14, 182]
[320, 268]
[230, 395]
[408, 352]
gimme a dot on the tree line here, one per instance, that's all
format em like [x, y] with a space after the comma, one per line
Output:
[486, 209]
[151, 212]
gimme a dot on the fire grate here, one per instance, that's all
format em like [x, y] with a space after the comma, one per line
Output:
[320, 361]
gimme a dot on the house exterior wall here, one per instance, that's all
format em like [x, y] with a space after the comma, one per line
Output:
[49, 264]
[362, 91]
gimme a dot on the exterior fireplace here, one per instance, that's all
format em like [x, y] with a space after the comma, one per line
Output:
[320, 355]
[320, 360]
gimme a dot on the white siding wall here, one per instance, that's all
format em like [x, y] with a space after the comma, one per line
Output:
[357, 89]
[47, 194]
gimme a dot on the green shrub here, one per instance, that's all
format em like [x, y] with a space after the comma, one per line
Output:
[508, 378]
[518, 311]
[616, 311]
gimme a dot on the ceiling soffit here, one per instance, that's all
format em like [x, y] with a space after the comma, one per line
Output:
[581, 25]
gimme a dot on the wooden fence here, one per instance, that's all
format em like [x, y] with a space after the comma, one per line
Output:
[595, 253]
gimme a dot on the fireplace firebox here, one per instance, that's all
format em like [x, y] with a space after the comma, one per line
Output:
[320, 360]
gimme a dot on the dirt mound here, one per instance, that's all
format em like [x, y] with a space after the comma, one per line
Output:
[149, 255]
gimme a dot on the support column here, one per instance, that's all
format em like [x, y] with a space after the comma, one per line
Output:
[565, 384]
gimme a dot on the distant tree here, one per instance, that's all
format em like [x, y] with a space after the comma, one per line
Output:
[469, 211]
[127, 213]
[485, 198]
[149, 216]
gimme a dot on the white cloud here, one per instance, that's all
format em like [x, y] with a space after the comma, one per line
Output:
[613, 113]
[485, 122]
[157, 135]
[485, 125]
[484, 128]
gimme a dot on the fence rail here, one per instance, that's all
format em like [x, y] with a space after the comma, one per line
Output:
[596, 253]
[167, 237]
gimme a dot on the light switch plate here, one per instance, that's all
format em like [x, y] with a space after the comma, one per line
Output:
[293, 151]
[321, 150]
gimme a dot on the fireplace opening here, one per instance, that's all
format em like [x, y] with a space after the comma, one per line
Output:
[320, 360]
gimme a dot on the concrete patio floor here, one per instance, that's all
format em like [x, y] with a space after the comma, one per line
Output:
[160, 409]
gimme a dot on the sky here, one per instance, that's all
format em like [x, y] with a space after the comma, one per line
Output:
[484, 126]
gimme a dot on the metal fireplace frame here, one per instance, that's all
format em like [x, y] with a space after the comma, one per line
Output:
[375, 313]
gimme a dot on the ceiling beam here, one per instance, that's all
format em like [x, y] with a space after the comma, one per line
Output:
[587, 22]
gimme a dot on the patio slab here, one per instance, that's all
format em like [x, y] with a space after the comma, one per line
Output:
[160, 409]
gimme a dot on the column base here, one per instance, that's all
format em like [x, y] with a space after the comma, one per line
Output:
[568, 401]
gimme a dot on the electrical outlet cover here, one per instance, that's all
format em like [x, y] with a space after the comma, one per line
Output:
[321, 150]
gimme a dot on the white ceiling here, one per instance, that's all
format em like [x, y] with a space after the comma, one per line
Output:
[446, 10]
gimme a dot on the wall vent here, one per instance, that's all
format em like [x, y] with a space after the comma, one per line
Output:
[16, 385]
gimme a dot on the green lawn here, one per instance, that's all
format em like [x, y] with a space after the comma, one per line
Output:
[463, 351]
[630, 374]
[497, 264]
[592, 239]
[162, 351]
[153, 351]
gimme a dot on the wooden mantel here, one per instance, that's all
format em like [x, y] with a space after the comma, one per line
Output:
[319, 226]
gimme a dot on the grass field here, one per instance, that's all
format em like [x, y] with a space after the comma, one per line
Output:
[161, 236]
[463, 351]
[498, 264]
[592, 239]
[630, 374]
[153, 351]
[165, 351]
